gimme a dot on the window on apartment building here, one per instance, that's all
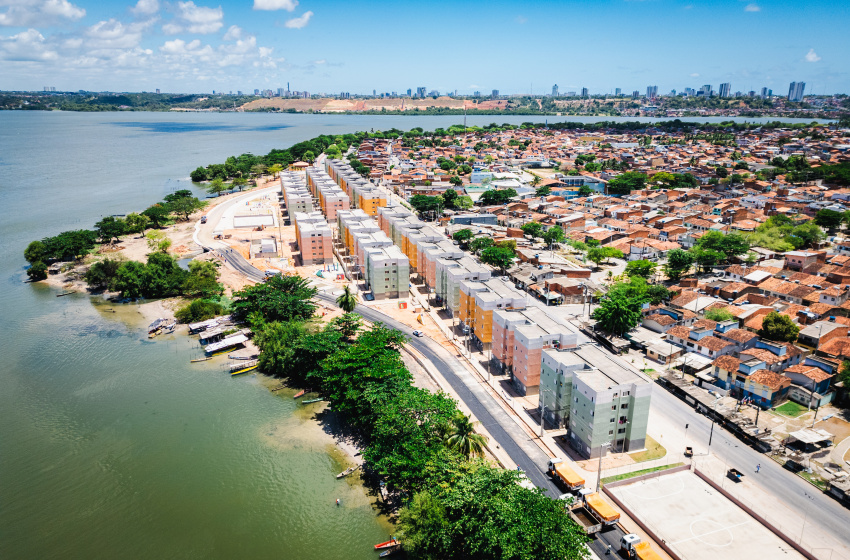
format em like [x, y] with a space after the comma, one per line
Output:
[623, 419]
[614, 407]
[613, 419]
[621, 431]
[610, 432]
[625, 393]
[624, 406]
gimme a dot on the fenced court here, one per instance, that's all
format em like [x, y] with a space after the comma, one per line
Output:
[697, 522]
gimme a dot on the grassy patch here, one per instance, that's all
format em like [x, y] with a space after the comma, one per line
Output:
[654, 450]
[791, 409]
[616, 477]
[814, 479]
[648, 370]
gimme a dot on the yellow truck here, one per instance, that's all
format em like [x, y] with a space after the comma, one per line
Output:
[635, 548]
[601, 509]
[563, 474]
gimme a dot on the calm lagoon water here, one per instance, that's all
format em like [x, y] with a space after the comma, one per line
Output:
[114, 446]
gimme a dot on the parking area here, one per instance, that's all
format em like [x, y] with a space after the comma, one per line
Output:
[699, 523]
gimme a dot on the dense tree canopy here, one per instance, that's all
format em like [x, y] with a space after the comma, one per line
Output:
[280, 298]
[778, 327]
[624, 183]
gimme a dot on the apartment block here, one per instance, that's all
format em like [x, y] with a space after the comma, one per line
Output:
[296, 196]
[478, 301]
[427, 255]
[331, 197]
[519, 339]
[387, 272]
[314, 237]
[450, 273]
[362, 194]
[596, 397]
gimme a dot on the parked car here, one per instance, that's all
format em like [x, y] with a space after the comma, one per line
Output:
[419, 334]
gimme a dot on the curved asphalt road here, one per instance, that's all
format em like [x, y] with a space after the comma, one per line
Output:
[505, 431]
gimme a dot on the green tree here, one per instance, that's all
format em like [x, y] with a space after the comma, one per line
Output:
[35, 252]
[202, 280]
[532, 229]
[280, 298]
[461, 437]
[109, 228]
[642, 268]
[480, 243]
[347, 325]
[277, 343]
[455, 180]
[198, 310]
[584, 190]
[806, 235]
[37, 271]
[69, 245]
[177, 195]
[463, 203]
[199, 175]
[553, 235]
[626, 182]
[158, 214]
[778, 327]
[216, 186]
[102, 274]
[424, 528]
[679, 262]
[450, 197]
[706, 259]
[496, 197]
[499, 257]
[462, 236]
[136, 223]
[545, 190]
[239, 183]
[347, 301]
[596, 255]
[721, 172]
[829, 219]
[617, 313]
[844, 373]
[187, 205]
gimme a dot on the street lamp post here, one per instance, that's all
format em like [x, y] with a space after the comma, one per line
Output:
[711, 433]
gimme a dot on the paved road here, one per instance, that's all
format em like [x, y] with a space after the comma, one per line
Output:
[789, 490]
[505, 431]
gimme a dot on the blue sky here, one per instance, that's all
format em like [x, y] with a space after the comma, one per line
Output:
[515, 47]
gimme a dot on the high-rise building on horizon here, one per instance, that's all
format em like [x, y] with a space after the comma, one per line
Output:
[651, 92]
[689, 91]
[409, 92]
[495, 94]
[635, 94]
[618, 92]
[796, 91]
[555, 90]
[476, 94]
[420, 92]
[725, 89]
[705, 91]
[584, 92]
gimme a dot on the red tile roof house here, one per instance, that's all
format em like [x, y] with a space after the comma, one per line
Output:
[701, 341]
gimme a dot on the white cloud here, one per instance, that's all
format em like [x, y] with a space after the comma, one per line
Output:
[195, 19]
[695, 75]
[812, 56]
[299, 22]
[288, 5]
[145, 7]
[113, 34]
[233, 33]
[38, 12]
[28, 45]
[322, 61]
[752, 8]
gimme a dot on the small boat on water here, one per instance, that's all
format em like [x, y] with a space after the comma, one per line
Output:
[311, 401]
[299, 394]
[346, 472]
[156, 326]
[200, 360]
[254, 357]
[392, 543]
[389, 552]
[244, 367]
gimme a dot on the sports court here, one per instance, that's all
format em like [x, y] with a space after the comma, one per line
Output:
[698, 522]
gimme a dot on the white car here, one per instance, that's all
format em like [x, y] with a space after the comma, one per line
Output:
[419, 334]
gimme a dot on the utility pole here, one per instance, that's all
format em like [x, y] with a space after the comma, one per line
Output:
[599, 470]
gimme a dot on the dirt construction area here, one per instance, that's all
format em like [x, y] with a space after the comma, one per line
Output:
[698, 522]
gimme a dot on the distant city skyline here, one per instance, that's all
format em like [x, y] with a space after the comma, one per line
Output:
[195, 46]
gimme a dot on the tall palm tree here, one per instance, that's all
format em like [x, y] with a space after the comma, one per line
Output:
[462, 437]
[347, 301]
